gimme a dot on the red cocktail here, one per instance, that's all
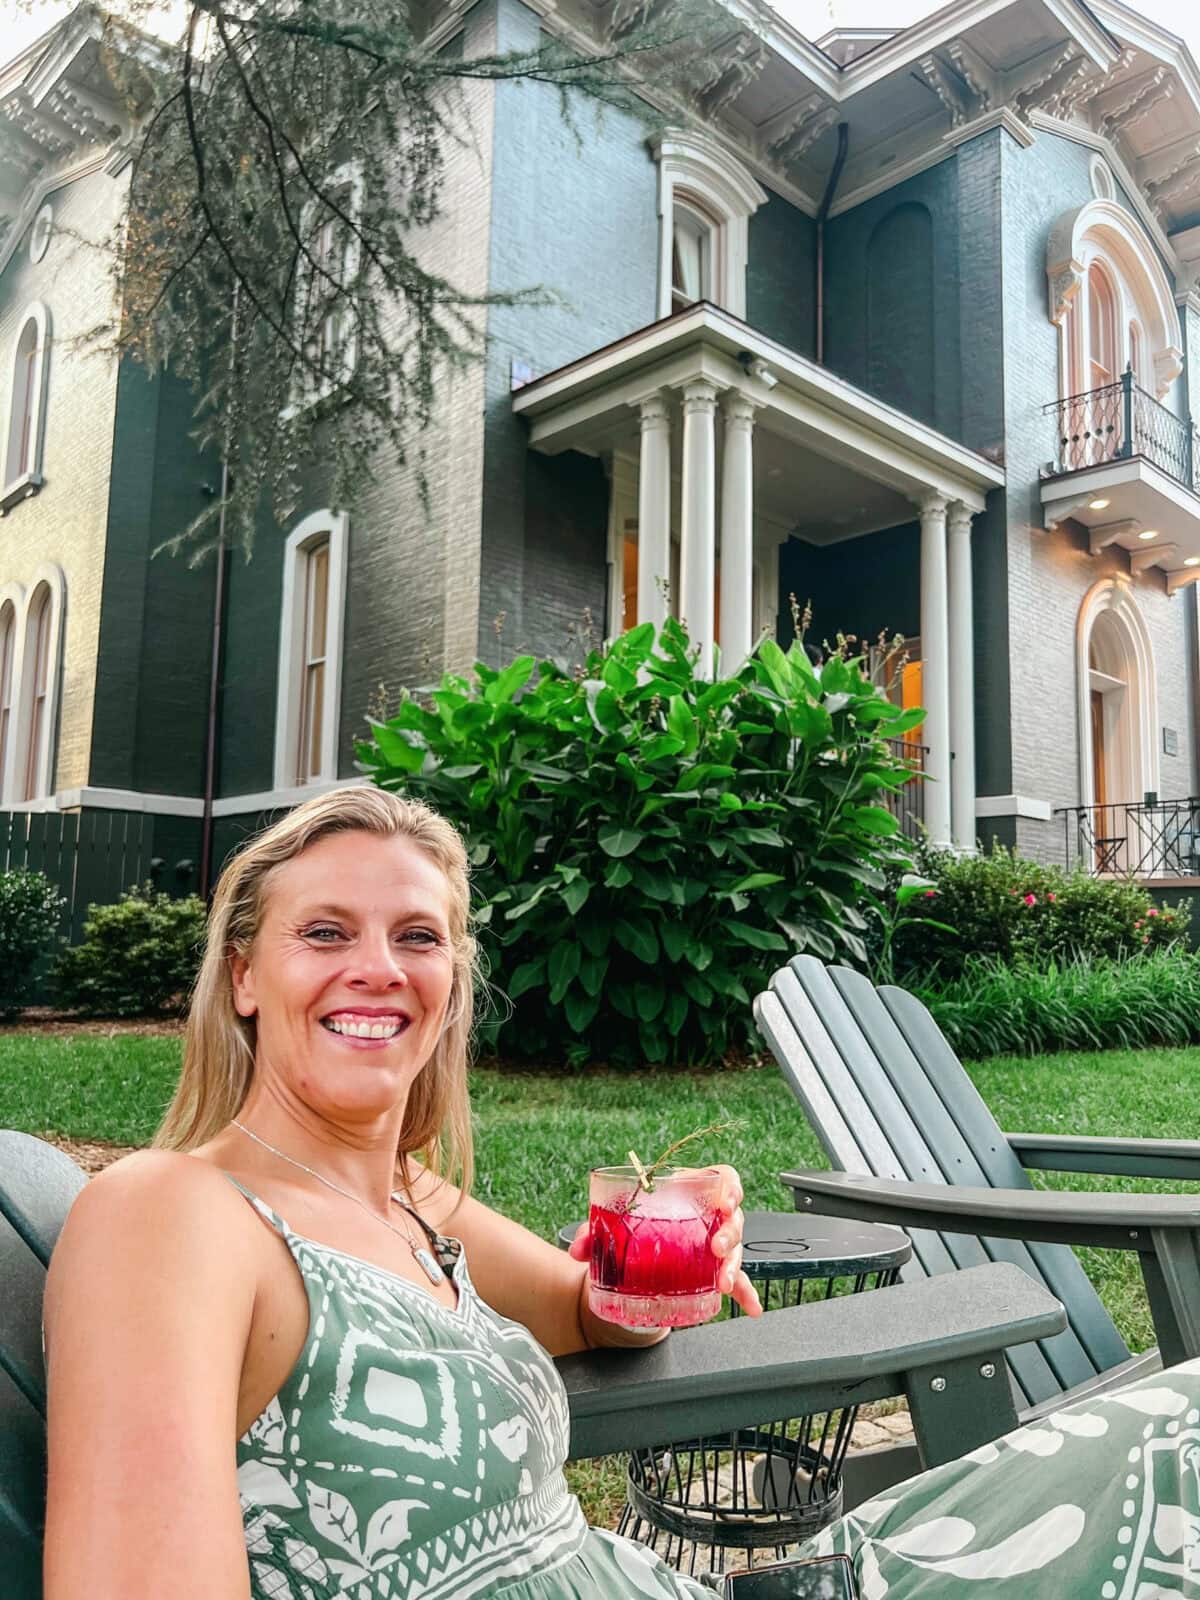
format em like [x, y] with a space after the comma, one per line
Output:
[652, 1259]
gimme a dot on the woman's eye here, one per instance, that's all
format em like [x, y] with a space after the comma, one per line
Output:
[419, 936]
[323, 935]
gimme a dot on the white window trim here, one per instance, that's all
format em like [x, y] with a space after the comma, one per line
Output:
[1115, 594]
[1104, 231]
[705, 174]
[335, 526]
[52, 576]
[28, 482]
[12, 594]
[349, 174]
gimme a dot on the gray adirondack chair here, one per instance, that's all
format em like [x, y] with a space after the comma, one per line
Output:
[710, 1380]
[917, 1146]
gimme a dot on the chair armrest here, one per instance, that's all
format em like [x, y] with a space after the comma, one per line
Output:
[1107, 1221]
[812, 1358]
[1125, 1158]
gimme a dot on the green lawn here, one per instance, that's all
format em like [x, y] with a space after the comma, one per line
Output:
[537, 1135]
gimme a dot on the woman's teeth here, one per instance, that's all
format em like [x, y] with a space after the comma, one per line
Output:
[364, 1030]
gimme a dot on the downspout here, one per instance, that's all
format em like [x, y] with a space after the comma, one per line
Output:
[212, 730]
[839, 161]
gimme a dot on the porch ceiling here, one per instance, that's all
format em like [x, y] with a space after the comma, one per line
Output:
[807, 418]
[1118, 501]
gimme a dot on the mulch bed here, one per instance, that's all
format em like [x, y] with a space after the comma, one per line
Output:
[61, 1024]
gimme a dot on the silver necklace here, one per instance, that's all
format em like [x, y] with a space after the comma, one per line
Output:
[421, 1254]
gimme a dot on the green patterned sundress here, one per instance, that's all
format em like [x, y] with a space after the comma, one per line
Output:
[1099, 1501]
[415, 1453]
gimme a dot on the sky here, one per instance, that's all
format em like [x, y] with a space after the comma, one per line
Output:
[22, 20]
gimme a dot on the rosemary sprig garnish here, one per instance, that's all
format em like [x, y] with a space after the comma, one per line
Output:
[646, 1174]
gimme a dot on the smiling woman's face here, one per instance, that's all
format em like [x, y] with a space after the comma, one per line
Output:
[350, 973]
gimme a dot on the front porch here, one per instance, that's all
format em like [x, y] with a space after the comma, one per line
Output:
[723, 444]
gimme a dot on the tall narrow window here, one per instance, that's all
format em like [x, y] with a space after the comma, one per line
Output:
[37, 665]
[326, 284]
[1102, 328]
[316, 634]
[8, 646]
[310, 651]
[691, 257]
[23, 447]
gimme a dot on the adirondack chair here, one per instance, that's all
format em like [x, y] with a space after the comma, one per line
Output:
[916, 1145]
[896, 1341]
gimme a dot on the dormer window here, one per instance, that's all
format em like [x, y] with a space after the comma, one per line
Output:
[705, 201]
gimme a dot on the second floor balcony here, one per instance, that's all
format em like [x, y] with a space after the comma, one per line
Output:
[1128, 469]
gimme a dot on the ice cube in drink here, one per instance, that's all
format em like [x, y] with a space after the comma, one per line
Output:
[652, 1261]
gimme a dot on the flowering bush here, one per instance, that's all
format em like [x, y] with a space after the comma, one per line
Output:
[1021, 912]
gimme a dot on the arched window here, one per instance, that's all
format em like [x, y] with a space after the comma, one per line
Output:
[1117, 709]
[35, 695]
[1111, 298]
[310, 651]
[705, 202]
[1101, 327]
[8, 652]
[27, 395]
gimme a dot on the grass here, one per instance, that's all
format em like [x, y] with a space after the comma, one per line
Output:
[538, 1134]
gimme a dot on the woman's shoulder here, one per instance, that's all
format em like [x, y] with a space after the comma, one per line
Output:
[155, 1195]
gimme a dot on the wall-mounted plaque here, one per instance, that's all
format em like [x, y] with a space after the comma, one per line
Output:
[1170, 742]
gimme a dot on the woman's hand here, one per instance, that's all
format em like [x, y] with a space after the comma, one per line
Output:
[726, 1242]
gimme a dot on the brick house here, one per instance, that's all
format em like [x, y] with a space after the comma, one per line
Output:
[902, 323]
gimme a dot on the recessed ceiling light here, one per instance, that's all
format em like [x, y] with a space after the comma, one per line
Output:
[1192, 561]
[1148, 533]
[1097, 505]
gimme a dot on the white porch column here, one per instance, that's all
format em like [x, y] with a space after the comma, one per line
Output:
[935, 678]
[962, 679]
[737, 532]
[698, 522]
[654, 512]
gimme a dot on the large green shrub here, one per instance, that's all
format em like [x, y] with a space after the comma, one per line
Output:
[1022, 912]
[1142, 1002]
[648, 846]
[136, 957]
[30, 909]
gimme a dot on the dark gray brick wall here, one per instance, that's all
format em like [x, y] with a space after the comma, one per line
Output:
[864, 586]
[780, 286]
[574, 211]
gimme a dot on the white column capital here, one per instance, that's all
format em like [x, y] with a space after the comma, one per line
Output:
[738, 408]
[699, 396]
[933, 506]
[959, 517]
[654, 410]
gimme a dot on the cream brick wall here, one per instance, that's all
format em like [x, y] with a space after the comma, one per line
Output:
[66, 522]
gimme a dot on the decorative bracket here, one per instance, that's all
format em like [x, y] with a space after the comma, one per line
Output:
[789, 141]
[1152, 556]
[733, 70]
[1107, 533]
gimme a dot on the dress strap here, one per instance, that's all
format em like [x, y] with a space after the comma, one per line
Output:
[260, 1206]
[435, 1238]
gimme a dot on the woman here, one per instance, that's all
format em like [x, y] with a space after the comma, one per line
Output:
[270, 1372]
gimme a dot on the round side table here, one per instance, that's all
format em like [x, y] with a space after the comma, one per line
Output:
[762, 1490]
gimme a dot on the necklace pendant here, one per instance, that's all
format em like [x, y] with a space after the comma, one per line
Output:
[427, 1264]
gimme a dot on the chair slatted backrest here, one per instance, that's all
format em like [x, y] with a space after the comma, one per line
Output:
[37, 1185]
[887, 1097]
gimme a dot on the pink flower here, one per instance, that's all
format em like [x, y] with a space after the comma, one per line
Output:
[1152, 912]
[1145, 938]
[1051, 897]
[1031, 899]
[929, 893]
[1138, 923]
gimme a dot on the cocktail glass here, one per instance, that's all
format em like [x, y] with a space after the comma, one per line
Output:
[652, 1260]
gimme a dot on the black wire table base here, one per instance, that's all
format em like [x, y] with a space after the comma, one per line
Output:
[754, 1496]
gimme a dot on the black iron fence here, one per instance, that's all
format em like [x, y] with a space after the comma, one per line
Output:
[1159, 839]
[1120, 420]
[907, 804]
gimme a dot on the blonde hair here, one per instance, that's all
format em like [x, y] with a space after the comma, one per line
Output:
[218, 1056]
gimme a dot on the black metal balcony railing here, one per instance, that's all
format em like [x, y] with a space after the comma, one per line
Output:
[907, 805]
[1118, 421]
[1159, 840]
